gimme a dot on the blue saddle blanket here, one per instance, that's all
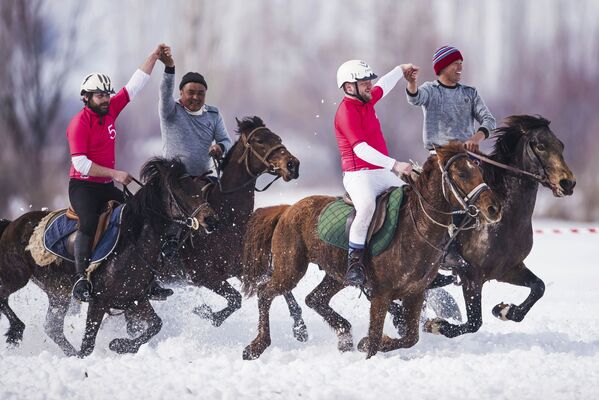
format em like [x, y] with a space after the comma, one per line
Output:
[60, 228]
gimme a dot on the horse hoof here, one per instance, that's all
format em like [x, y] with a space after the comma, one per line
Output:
[203, 311]
[248, 354]
[122, 346]
[433, 326]
[300, 332]
[363, 345]
[501, 311]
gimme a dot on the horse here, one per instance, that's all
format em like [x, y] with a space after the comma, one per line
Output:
[404, 270]
[123, 279]
[526, 153]
[258, 151]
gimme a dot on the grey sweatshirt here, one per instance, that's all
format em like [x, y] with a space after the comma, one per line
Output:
[450, 112]
[189, 136]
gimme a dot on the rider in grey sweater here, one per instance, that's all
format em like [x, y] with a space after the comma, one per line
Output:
[189, 126]
[450, 109]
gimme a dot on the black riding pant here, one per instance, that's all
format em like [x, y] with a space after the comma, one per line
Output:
[89, 199]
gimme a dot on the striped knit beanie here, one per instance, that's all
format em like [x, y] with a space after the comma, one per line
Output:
[445, 56]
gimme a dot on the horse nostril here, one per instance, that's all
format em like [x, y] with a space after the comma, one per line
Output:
[567, 185]
[291, 166]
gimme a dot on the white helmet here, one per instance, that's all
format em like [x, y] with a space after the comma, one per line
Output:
[353, 71]
[97, 83]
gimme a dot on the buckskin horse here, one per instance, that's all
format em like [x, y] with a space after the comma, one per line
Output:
[217, 257]
[526, 153]
[404, 270]
[123, 278]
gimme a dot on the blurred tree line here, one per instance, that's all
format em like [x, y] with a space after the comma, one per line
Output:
[278, 59]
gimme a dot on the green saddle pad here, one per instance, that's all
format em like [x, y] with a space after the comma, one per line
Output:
[332, 220]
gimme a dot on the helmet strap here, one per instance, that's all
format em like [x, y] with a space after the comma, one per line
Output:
[357, 95]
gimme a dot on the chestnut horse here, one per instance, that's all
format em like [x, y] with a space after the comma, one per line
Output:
[123, 279]
[531, 154]
[403, 271]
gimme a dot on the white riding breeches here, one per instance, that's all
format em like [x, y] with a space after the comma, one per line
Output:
[363, 187]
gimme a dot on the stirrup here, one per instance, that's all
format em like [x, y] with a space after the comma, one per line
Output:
[82, 294]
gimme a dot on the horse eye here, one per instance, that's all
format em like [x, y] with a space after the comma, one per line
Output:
[540, 146]
[260, 141]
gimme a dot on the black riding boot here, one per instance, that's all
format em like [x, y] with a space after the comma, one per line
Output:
[355, 268]
[82, 290]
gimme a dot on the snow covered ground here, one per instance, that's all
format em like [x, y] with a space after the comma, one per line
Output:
[552, 354]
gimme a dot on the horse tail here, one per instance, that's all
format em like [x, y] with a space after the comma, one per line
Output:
[256, 258]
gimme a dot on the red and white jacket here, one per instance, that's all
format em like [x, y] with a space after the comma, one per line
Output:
[356, 123]
[91, 136]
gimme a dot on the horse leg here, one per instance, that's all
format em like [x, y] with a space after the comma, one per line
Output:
[233, 297]
[95, 313]
[300, 332]
[520, 276]
[262, 341]
[379, 304]
[143, 311]
[319, 300]
[58, 307]
[14, 335]
[472, 296]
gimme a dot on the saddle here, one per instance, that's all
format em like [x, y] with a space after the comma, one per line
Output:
[336, 218]
[378, 218]
[53, 237]
[103, 223]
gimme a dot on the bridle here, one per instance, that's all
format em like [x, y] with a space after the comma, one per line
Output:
[189, 219]
[245, 158]
[466, 201]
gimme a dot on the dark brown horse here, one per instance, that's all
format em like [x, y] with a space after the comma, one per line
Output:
[525, 143]
[212, 260]
[402, 271]
[123, 279]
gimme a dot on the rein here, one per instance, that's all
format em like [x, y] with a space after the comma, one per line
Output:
[191, 221]
[465, 201]
[245, 158]
[536, 177]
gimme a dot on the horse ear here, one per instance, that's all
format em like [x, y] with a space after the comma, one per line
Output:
[238, 122]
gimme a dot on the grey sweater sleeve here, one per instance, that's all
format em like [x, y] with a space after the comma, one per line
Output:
[482, 113]
[221, 136]
[421, 97]
[166, 102]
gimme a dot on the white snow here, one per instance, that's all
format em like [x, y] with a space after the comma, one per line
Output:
[552, 354]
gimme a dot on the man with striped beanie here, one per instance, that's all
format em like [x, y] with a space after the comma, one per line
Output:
[450, 109]
[450, 112]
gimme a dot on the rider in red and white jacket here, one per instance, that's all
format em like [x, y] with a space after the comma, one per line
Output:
[367, 168]
[91, 135]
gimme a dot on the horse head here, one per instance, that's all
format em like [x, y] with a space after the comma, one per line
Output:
[181, 198]
[263, 151]
[529, 142]
[463, 185]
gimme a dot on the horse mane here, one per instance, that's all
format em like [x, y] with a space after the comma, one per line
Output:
[506, 142]
[246, 124]
[157, 173]
[447, 151]
[507, 137]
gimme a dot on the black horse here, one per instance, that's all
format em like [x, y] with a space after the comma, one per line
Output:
[213, 260]
[123, 279]
[531, 154]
